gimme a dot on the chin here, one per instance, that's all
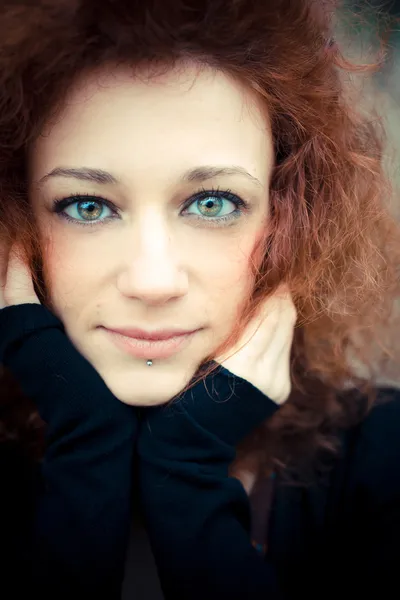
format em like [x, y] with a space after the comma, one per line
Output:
[149, 389]
[138, 402]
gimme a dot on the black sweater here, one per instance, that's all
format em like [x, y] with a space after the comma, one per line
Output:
[65, 524]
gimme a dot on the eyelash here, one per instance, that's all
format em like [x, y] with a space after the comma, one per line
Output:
[60, 204]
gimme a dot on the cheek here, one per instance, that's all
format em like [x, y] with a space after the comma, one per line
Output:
[69, 274]
[219, 268]
[237, 259]
[228, 282]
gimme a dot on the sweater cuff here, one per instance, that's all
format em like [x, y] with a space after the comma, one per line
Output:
[64, 385]
[224, 404]
[18, 321]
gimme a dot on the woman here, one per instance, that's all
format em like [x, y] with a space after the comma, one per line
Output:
[195, 167]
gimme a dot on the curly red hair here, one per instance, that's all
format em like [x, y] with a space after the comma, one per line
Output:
[331, 237]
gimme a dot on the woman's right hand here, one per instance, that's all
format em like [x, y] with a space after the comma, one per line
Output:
[4, 251]
[86, 474]
[16, 285]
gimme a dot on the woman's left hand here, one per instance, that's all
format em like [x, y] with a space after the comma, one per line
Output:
[16, 284]
[262, 354]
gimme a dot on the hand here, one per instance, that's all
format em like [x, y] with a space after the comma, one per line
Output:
[16, 285]
[262, 354]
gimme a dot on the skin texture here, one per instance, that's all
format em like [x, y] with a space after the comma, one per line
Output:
[154, 260]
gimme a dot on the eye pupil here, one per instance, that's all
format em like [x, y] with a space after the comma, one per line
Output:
[90, 208]
[211, 204]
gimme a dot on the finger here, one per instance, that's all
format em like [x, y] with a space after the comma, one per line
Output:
[19, 287]
[4, 252]
[277, 314]
[279, 302]
[277, 310]
[246, 478]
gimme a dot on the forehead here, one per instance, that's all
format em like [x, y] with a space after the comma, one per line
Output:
[182, 115]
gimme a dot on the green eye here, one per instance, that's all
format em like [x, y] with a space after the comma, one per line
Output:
[214, 206]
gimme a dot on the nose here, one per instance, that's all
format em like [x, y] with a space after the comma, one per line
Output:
[152, 269]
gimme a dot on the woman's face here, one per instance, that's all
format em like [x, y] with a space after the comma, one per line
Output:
[140, 245]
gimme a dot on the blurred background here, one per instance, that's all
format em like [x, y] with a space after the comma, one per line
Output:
[363, 28]
[356, 29]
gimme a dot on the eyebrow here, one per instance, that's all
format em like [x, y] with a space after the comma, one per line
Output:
[197, 174]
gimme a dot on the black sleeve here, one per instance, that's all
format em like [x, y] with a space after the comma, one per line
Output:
[371, 502]
[198, 518]
[77, 544]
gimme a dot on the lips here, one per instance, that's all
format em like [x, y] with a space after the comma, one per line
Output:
[154, 349]
[158, 335]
